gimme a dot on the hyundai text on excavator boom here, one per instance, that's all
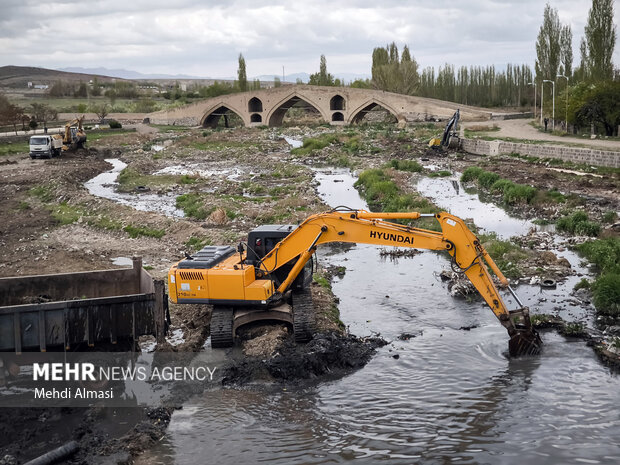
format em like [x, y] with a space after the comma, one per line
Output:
[270, 280]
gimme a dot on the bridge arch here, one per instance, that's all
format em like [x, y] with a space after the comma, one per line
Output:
[358, 114]
[255, 105]
[211, 117]
[337, 103]
[276, 115]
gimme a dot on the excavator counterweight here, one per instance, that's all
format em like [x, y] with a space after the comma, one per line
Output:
[275, 270]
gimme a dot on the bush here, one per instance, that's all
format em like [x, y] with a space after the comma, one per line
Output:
[501, 185]
[578, 223]
[115, 124]
[604, 253]
[519, 193]
[486, 179]
[471, 174]
[606, 294]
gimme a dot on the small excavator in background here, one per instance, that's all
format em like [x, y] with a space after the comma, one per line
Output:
[450, 138]
[74, 136]
[270, 278]
[52, 145]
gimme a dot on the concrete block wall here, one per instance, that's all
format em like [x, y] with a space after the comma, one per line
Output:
[574, 154]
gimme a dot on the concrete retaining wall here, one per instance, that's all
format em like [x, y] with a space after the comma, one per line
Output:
[574, 154]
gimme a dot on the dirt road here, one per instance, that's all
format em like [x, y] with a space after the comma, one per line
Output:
[522, 129]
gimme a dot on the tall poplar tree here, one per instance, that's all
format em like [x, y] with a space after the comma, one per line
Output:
[597, 46]
[548, 49]
[242, 77]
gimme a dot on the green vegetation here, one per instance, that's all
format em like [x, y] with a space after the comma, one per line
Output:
[539, 319]
[11, 148]
[382, 193]
[406, 165]
[506, 255]
[512, 193]
[312, 144]
[193, 206]
[573, 329]
[582, 284]
[43, 192]
[67, 214]
[137, 231]
[609, 217]
[605, 254]
[440, 174]
[197, 243]
[129, 179]
[578, 223]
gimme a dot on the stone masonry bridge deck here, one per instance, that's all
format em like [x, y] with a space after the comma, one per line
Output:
[336, 105]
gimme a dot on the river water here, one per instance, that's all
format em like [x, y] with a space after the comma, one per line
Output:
[451, 396]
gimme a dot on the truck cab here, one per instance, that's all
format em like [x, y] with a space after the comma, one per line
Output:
[45, 146]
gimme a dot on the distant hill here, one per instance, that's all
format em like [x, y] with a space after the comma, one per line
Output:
[20, 76]
[127, 74]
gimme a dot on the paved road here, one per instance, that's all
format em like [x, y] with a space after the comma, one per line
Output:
[522, 129]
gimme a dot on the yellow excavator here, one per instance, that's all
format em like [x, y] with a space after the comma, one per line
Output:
[74, 136]
[270, 278]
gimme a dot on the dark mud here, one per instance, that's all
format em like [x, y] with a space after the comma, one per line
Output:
[328, 353]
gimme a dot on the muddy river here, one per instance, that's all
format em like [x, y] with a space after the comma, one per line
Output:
[449, 394]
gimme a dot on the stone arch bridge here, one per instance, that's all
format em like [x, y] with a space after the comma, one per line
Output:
[336, 105]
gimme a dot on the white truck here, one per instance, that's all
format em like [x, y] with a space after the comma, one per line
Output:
[45, 146]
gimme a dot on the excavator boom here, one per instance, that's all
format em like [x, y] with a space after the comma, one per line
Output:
[236, 281]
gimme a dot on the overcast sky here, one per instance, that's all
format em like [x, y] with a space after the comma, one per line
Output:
[204, 38]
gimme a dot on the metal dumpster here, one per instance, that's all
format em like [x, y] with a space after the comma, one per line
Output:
[68, 310]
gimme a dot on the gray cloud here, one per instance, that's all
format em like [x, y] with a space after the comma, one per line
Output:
[205, 38]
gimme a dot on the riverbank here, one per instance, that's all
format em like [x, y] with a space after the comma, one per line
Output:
[230, 181]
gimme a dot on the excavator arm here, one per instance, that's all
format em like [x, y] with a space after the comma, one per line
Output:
[468, 256]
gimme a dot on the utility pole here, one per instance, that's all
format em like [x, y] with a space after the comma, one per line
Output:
[282, 74]
[566, 117]
[553, 100]
[534, 84]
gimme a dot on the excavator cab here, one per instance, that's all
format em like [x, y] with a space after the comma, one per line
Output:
[263, 240]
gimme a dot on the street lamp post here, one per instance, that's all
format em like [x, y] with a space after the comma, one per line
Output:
[553, 99]
[534, 84]
[566, 117]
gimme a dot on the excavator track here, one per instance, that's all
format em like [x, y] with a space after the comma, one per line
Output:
[304, 321]
[222, 327]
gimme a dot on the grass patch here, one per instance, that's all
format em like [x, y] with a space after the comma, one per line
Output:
[95, 136]
[406, 165]
[578, 223]
[312, 144]
[12, 148]
[440, 174]
[43, 193]
[66, 214]
[129, 179]
[138, 231]
[193, 206]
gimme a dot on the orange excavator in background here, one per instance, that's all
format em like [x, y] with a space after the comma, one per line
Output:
[270, 279]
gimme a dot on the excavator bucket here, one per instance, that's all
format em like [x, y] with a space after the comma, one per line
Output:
[524, 340]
